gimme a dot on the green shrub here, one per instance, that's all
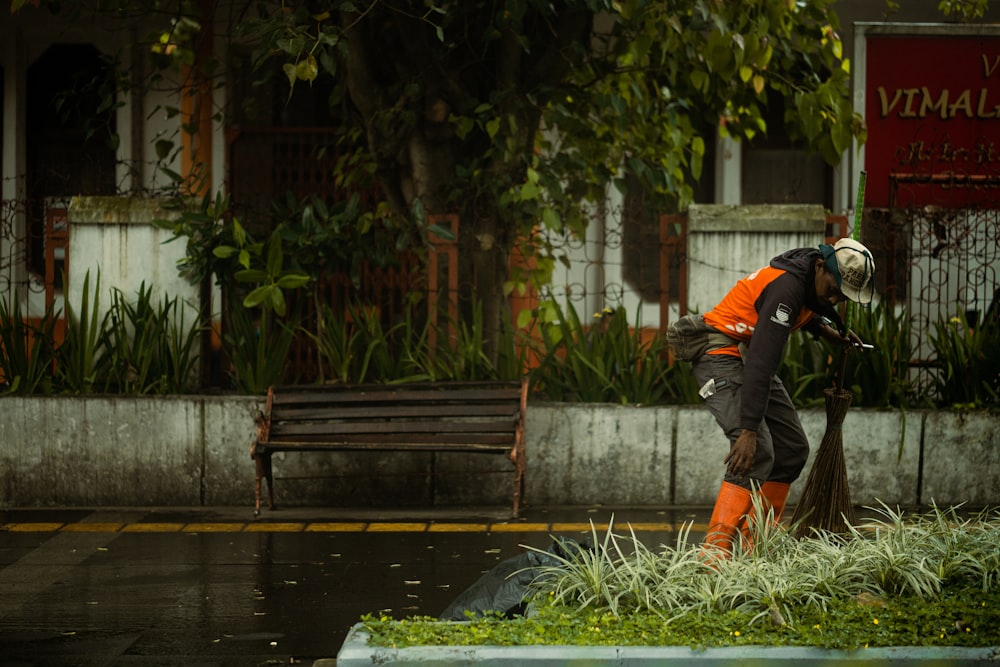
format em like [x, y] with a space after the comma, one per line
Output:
[357, 348]
[968, 359]
[881, 377]
[80, 360]
[606, 361]
[896, 580]
[149, 349]
[257, 347]
[27, 352]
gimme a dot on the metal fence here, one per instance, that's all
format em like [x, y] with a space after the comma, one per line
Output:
[937, 263]
[933, 264]
[34, 251]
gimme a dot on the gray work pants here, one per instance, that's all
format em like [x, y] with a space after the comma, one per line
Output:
[782, 446]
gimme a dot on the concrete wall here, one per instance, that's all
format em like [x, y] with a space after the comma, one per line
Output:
[726, 243]
[115, 238]
[192, 451]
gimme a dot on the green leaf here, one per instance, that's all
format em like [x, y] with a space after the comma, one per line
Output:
[492, 127]
[444, 233]
[307, 69]
[699, 79]
[251, 276]
[551, 219]
[274, 255]
[698, 146]
[239, 233]
[292, 280]
[529, 191]
[291, 73]
[463, 125]
[171, 174]
[163, 148]
[256, 297]
[277, 301]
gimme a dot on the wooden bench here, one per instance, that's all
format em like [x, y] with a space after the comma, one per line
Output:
[485, 417]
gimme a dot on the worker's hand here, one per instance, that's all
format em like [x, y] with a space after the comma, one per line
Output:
[855, 340]
[741, 454]
[834, 337]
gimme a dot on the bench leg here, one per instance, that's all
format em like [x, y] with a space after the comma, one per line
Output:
[519, 467]
[262, 466]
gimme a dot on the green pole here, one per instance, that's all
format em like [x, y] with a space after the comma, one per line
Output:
[859, 206]
[856, 235]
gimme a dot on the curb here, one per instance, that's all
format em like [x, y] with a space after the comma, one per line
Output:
[356, 652]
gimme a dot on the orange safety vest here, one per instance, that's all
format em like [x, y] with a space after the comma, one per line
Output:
[736, 315]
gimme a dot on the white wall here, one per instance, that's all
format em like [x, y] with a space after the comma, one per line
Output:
[115, 238]
[726, 243]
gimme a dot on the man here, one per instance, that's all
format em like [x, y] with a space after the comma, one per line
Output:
[799, 289]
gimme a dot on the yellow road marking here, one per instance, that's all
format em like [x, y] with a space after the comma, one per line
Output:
[152, 528]
[344, 527]
[643, 527]
[457, 528]
[95, 527]
[347, 527]
[567, 527]
[32, 527]
[519, 527]
[397, 527]
[213, 527]
[275, 527]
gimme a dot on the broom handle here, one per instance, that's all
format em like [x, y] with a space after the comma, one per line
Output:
[856, 232]
[838, 379]
[859, 205]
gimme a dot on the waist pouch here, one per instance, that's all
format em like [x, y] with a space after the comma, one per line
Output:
[689, 337]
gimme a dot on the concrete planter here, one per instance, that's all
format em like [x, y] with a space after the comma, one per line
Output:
[356, 652]
[194, 450]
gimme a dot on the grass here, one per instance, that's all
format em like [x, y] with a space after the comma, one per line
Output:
[922, 580]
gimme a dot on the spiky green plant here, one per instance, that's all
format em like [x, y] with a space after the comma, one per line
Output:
[80, 359]
[968, 357]
[257, 348]
[27, 351]
[880, 377]
[604, 361]
[895, 580]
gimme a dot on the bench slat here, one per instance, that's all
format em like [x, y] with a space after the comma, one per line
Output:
[333, 397]
[399, 446]
[391, 428]
[321, 411]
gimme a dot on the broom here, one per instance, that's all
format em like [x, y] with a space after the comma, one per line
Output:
[825, 503]
[826, 499]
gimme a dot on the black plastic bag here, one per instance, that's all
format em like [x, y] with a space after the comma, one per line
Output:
[502, 589]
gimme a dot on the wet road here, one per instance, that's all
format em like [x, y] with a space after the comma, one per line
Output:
[214, 587]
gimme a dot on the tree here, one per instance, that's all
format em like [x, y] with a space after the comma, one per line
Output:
[518, 115]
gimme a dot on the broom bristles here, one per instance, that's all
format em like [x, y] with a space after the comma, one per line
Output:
[825, 503]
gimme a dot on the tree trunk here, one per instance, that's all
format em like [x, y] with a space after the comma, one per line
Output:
[483, 253]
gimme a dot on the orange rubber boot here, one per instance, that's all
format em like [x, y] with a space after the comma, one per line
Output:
[731, 507]
[771, 496]
[775, 493]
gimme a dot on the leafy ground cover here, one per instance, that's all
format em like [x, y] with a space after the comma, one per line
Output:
[925, 580]
[959, 617]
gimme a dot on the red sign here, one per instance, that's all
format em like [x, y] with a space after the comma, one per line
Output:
[932, 106]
